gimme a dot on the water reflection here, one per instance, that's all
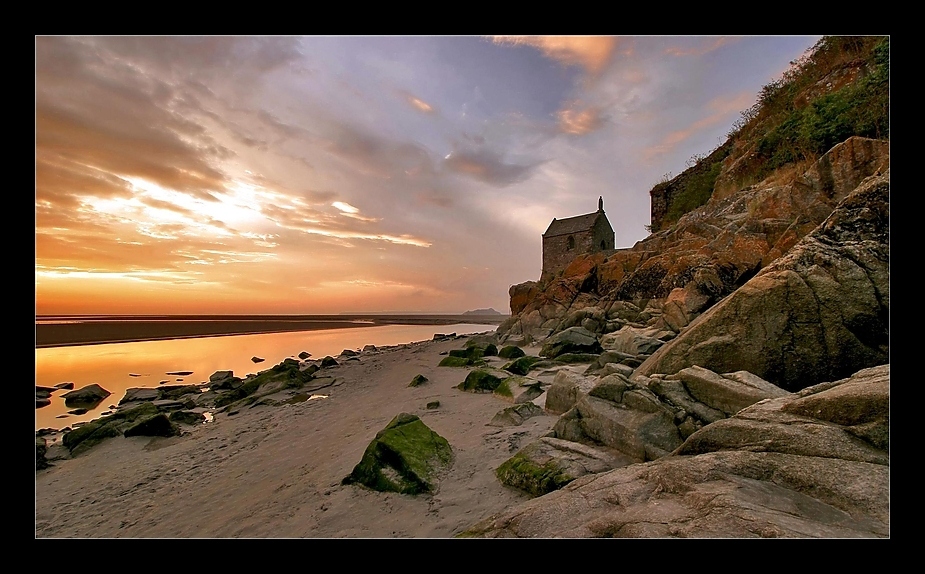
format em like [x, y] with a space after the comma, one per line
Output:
[120, 366]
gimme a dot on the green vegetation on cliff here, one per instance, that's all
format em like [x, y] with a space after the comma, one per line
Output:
[838, 89]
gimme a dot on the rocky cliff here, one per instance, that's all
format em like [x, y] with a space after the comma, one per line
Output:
[741, 380]
[739, 357]
[671, 278]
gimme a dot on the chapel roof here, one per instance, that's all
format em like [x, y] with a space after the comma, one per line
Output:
[575, 224]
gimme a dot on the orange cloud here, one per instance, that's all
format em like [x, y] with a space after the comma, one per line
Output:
[592, 52]
[418, 103]
[575, 121]
[702, 49]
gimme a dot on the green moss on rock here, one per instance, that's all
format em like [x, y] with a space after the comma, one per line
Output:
[92, 433]
[511, 352]
[452, 361]
[521, 472]
[154, 425]
[504, 390]
[405, 457]
[418, 380]
[480, 381]
[522, 365]
[285, 375]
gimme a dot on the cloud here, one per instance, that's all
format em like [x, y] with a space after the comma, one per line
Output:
[577, 120]
[707, 46]
[487, 167]
[348, 210]
[115, 122]
[344, 207]
[377, 156]
[591, 52]
[417, 103]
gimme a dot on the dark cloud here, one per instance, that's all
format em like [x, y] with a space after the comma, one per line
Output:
[487, 167]
[378, 156]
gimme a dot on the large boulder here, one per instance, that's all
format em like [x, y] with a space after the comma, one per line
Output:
[773, 470]
[728, 393]
[566, 389]
[638, 426]
[632, 341]
[819, 313]
[406, 457]
[548, 464]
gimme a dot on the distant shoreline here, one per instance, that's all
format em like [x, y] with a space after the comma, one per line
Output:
[102, 329]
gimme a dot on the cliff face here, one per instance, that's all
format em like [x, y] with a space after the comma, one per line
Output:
[669, 279]
[736, 210]
[839, 89]
[738, 383]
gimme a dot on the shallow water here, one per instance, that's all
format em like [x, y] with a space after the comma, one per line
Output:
[120, 366]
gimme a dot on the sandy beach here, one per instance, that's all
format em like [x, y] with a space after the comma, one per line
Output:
[276, 471]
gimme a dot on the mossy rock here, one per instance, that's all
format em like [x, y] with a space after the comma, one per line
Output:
[522, 365]
[187, 417]
[86, 436]
[577, 357]
[155, 425]
[521, 471]
[511, 352]
[177, 391]
[226, 383]
[490, 350]
[40, 449]
[504, 390]
[283, 375]
[473, 353]
[479, 381]
[417, 381]
[452, 361]
[405, 457]
[480, 341]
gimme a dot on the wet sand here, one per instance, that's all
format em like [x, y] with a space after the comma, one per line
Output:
[124, 329]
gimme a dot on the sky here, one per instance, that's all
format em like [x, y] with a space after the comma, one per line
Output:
[356, 174]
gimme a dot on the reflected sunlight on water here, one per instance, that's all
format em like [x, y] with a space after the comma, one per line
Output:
[120, 366]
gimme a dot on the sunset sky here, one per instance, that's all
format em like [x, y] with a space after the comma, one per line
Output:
[356, 174]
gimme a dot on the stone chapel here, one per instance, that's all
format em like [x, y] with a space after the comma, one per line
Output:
[568, 238]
